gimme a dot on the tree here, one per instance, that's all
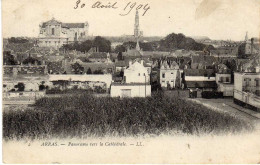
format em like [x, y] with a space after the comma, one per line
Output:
[121, 74]
[85, 46]
[77, 68]
[98, 72]
[42, 86]
[9, 59]
[20, 86]
[179, 41]
[89, 71]
[103, 44]
[120, 56]
[120, 48]
[31, 60]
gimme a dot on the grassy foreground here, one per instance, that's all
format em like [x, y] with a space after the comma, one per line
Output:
[84, 115]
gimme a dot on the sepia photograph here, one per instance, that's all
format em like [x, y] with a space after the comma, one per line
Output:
[130, 82]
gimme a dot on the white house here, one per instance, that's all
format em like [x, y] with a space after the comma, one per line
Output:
[247, 85]
[170, 75]
[136, 73]
[223, 80]
[136, 82]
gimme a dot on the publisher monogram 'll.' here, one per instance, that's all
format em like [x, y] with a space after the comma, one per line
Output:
[126, 8]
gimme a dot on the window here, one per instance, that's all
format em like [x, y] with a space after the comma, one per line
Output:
[171, 73]
[247, 81]
[138, 74]
[163, 75]
[257, 82]
[52, 31]
[163, 81]
[227, 79]
[144, 74]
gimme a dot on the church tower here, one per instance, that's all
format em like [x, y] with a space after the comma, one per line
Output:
[136, 28]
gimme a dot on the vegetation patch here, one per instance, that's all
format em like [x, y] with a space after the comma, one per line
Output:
[85, 115]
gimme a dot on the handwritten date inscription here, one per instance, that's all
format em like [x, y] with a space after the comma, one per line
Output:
[127, 8]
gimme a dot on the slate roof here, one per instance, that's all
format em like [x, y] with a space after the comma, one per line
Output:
[132, 52]
[200, 72]
[201, 84]
[98, 55]
[208, 60]
[121, 64]
[72, 25]
[64, 25]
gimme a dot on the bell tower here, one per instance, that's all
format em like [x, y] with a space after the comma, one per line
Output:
[136, 26]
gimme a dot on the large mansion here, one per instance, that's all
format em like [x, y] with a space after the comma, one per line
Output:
[54, 33]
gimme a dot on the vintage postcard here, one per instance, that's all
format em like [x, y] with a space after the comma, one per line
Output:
[123, 81]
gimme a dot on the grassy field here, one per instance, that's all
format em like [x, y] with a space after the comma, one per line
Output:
[84, 115]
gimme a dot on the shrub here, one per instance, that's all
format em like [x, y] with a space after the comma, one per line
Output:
[84, 115]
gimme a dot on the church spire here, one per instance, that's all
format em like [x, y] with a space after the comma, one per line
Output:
[246, 37]
[136, 28]
[137, 45]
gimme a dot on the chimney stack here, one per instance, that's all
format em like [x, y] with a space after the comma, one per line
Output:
[130, 62]
[142, 62]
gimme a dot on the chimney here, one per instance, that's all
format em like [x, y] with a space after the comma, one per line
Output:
[142, 62]
[130, 62]
[257, 69]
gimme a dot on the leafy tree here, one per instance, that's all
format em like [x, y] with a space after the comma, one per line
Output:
[120, 56]
[9, 59]
[86, 46]
[103, 44]
[179, 41]
[31, 60]
[120, 48]
[20, 86]
[17, 40]
[77, 68]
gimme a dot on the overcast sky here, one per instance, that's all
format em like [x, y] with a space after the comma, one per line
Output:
[217, 19]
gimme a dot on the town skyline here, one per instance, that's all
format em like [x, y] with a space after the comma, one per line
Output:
[172, 20]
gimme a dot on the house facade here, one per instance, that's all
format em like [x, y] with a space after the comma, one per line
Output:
[54, 33]
[170, 75]
[136, 73]
[247, 84]
[200, 78]
[136, 82]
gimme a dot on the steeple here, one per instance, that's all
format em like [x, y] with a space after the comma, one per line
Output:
[246, 37]
[136, 26]
[137, 45]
